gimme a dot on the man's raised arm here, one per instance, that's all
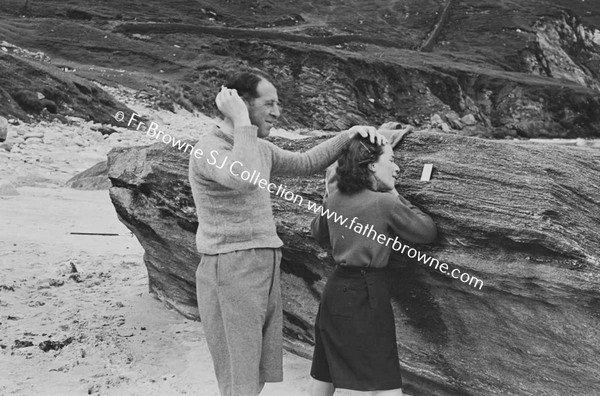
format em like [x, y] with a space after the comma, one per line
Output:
[218, 162]
[289, 163]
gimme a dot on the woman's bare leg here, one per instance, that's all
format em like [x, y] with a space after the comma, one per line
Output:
[320, 388]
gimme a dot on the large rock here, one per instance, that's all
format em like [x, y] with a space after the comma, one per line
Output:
[522, 218]
[3, 129]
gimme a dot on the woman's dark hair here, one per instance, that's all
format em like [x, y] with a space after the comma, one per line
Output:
[245, 83]
[353, 171]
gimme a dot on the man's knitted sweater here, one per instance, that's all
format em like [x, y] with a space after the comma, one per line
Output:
[234, 213]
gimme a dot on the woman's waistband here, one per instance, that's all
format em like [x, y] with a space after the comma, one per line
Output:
[352, 269]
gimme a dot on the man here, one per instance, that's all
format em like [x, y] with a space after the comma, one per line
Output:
[237, 281]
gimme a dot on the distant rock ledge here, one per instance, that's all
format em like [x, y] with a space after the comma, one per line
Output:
[523, 218]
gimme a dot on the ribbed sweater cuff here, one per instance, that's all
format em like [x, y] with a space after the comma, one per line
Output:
[340, 142]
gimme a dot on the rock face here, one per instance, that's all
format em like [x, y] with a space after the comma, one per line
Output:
[565, 49]
[537, 78]
[527, 68]
[521, 218]
[94, 178]
[327, 89]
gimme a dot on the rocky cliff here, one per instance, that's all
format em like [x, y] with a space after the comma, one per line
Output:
[519, 217]
[519, 69]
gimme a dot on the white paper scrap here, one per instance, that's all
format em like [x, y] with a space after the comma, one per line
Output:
[426, 175]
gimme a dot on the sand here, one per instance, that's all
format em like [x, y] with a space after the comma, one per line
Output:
[87, 296]
[124, 341]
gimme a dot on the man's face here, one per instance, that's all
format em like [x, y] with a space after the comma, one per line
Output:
[264, 109]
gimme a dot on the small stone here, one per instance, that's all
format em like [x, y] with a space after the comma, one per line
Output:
[34, 140]
[469, 119]
[55, 345]
[22, 344]
[56, 282]
[33, 135]
[436, 120]
[6, 146]
[453, 120]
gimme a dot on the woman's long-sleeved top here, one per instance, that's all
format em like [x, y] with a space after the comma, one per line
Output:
[365, 226]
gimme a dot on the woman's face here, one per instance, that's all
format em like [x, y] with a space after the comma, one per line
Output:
[385, 171]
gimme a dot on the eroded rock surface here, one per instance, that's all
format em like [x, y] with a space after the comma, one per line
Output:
[520, 217]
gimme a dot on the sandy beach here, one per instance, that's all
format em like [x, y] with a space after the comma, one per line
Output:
[503, 99]
[76, 316]
[91, 293]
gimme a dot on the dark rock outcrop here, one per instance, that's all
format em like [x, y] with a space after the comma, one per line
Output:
[31, 103]
[521, 218]
[565, 48]
[29, 88]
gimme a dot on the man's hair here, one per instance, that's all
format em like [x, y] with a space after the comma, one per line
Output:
[245, 83]
[353, 172]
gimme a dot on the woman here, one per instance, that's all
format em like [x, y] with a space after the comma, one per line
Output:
[355, 333]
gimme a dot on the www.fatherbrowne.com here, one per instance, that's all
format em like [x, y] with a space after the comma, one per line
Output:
[369, 232]
[236, 168]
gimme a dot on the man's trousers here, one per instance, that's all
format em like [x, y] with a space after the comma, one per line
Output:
[239, 300]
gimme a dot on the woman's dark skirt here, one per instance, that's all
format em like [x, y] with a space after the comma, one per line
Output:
[355, 332]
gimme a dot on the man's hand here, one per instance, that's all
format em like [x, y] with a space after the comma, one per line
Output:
[233, 107]
[367, 131]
